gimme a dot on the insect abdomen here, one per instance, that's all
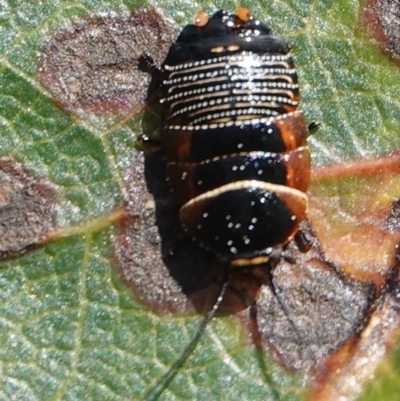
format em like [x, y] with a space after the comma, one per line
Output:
[235, 142]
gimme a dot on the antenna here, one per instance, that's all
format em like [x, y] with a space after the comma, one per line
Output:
[155, 391]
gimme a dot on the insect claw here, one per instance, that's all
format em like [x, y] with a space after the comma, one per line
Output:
[313, 127]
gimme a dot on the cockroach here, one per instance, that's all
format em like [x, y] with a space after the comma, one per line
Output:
[234, 138]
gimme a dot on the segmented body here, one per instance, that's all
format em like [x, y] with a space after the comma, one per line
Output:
[234, 138]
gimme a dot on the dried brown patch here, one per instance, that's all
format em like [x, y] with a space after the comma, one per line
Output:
[382, 18]
[317, 309]
[27, 209]
[96, 65]
[353, 370]
[138, 246]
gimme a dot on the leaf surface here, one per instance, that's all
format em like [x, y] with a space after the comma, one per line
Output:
[69, 327]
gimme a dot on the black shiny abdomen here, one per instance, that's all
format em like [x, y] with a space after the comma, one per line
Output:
[235, 142]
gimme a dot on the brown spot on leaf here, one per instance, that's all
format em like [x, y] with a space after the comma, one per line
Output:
[316, 309]
[96, 65]
[138, 246]
[27, 209]
[382, 17]
[352, 370]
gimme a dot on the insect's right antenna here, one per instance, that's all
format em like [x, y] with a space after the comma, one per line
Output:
[155, 391]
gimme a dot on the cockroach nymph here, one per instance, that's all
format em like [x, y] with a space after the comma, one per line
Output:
[234, 138]
[235, 143]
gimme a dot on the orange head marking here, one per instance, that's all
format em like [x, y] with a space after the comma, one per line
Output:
[243, 14]
[201, 19]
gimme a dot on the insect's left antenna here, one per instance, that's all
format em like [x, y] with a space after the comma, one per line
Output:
[155, 391]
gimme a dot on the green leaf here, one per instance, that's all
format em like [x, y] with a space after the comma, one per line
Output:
[69, 327]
